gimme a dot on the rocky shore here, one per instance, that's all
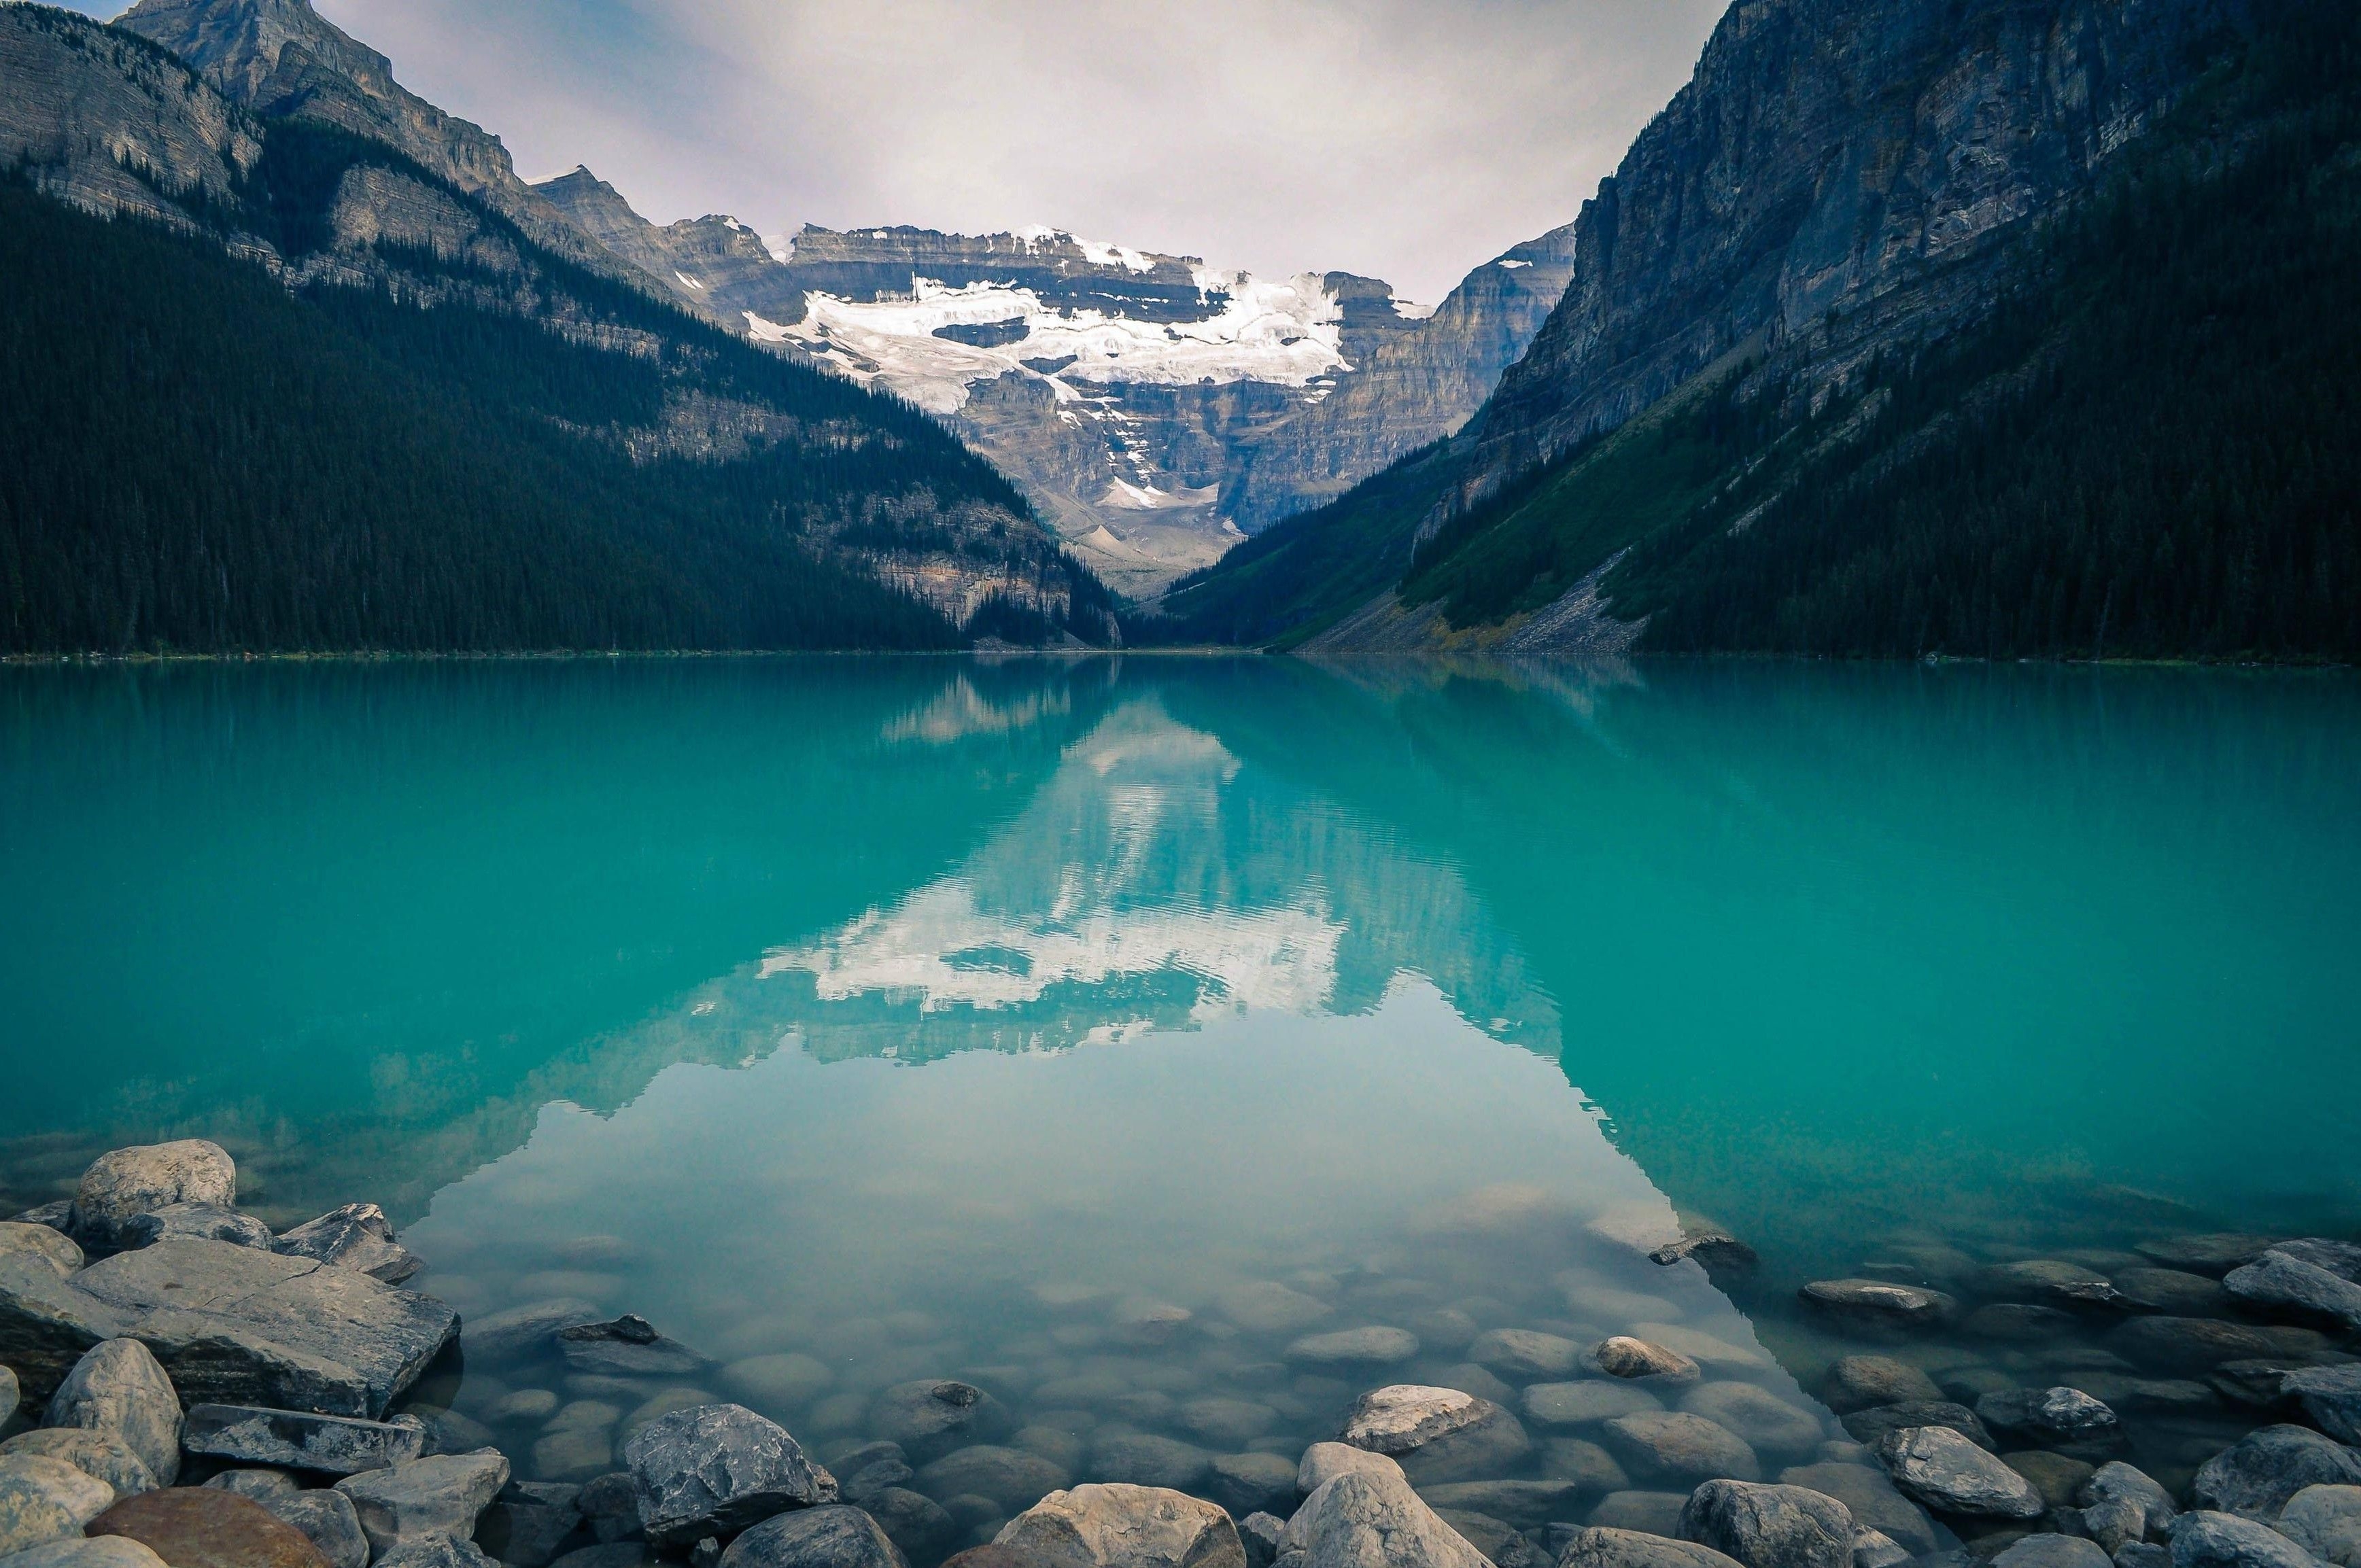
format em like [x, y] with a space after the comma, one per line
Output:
[180, 1386]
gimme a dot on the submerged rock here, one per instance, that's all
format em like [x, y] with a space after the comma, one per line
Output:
[1768, 1424]
[1520, 1504]
[627, 1346]
[357, 1236]
[1374, 1346]
[2279, 1283]
[1116, 1526]
[1266, 1307]
[1872, 1496]
[1621, 1355]
[1246, 1483]
[200, 1527]
[2195, 1345]
[2047, 1282]
[1875, 1549]
[123, 1184]
[118, 1388]
[1950, 1474]
[1869, 1427]
[524, 1333]
[717, 1469]
[2256, 1475]
[2331, 1395]
[929, 1418]
[1857, 1382]
[2059, 1417]
[1770, 1526]
[1012, 1478]
[1143, 1459]
[1880, 1304]
[829, 1536]
[2215, 1255]
[2173, 1291]
[338, 1445]
[194, 1223]
[1679, 1447]
[1524, 1356]
[1586, 1403]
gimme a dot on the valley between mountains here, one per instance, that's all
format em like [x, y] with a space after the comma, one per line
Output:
[1906, 329]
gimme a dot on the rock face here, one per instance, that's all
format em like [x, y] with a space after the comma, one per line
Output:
[715, 1469]
[1150, 406]
[1365, 1520]
[234, 1325]
[299, 1440]
[118, 1388]
[203, 1528]
[1950, 1474]
[1124, 1527]
[123, 1184]
[1770, 1526]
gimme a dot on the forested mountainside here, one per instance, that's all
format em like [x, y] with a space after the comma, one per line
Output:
[269, 382]
[2110, 422]
[1153, 408]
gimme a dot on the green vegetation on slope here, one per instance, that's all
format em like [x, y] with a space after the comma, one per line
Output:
[203, 462]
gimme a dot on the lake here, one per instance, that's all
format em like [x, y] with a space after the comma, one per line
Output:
[1100, 1031]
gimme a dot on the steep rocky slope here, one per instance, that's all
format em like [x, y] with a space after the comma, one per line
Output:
[502, 446]
[1153, 408]
[1901, 331]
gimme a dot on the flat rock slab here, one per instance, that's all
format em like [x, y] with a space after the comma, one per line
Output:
[1133, 1527]
[1950, 1474]
[117, 1387]
[123, 1184]
[299, 1440]
[831, 1536]
[235, 1326]
[443, 1495]
[201, 1527]
[715, 1469]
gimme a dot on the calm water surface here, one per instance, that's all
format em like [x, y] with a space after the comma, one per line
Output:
[866, 1020]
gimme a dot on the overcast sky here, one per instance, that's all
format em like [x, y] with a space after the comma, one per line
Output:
[1405, 139]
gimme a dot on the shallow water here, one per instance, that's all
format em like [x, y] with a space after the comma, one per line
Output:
[933, 1019]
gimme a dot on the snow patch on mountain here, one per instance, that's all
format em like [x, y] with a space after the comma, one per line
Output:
[1288, 333]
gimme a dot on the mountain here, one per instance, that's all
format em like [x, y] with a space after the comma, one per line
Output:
[293, 362]
[1153, 408]
[1989, 329]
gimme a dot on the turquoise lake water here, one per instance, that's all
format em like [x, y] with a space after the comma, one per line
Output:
[926, 1018]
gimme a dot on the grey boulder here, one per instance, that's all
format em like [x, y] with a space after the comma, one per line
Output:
[1679, 1448]
[1875, 1549]
[2063, 1418]
[442, 1494]
[831, 1536]
[1604, 1547]
[1770, 1526]
[1363, 1520]
[2280, 1284]
[1436, 1435]
[1950, 1474]
[2331, 1395]
[44, 1499]
[88, 1552]
[194, 1223]
[52, 1247]
[2122, 1504]
[299, 1440]
[1116, 1526]
[434, 1551]
[2254, 1477]
[357, 1236]
[123, 1184]
[2327, 1522]
[118, 1388]
[236, 1326]
[719, 1468]
[328, 1519]
[1324, 1461]
[1621, 1355]
[2052, 1551]
[12, 1394]
[2209, 1540]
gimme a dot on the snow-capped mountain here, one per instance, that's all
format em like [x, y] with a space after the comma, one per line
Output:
[1155, 409]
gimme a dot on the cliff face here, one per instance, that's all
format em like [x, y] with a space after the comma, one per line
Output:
[1833, 179]
[1153, 408]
